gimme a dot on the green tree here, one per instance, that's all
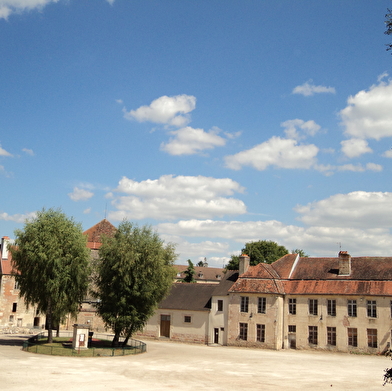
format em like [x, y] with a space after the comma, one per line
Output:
[300, 252]
[51, 263]
[189, 272]
[134, 273]
[200, 264]
[388, 23]
[262, 251]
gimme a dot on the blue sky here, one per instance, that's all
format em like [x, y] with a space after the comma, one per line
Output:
[217, 122]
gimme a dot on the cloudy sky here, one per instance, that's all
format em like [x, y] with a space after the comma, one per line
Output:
[217, 122]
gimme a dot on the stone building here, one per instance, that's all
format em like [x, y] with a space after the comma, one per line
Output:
[14, 316]
[338, 304]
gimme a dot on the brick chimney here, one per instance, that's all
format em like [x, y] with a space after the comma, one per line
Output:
[4, 247]
[244, 263]
[344, 263]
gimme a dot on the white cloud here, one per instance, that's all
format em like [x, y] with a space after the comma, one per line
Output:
[79, 194]
[7, 7]
[388, 153]
[358, 209]
[309, 89]
[111, 2]
[299, 129]
[368, 114]
[355, 147]
[168, 110]
[188, 141]
[28, 151]
[3, 152]
[17, 218]
[277, 152]
[172, 197]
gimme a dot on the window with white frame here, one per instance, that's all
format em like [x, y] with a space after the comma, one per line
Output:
[371, 308]
[331, 336]
[352, 334]
[313, 304]
[313, 335]
[331, 307]
[187, 319]
[352, 308]
[260, 332]
[244, 304]
[261, 305]
[243, 331]
[372, 338]
[292, 306]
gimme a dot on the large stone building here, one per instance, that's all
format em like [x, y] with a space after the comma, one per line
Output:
[340, 304]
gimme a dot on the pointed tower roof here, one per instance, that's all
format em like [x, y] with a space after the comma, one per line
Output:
[94, 233]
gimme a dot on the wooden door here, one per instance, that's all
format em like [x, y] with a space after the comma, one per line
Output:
[165, 326]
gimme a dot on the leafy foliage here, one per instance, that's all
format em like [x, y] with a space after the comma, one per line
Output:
[262, 251]
[51, 263]
[300, 252]
[189, 272]
[134, 273]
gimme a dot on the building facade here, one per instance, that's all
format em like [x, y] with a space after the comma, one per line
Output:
[339, 304]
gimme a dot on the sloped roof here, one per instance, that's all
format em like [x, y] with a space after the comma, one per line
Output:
[229, 278]
[208, 273]
[95, 233]
[295, 275]
[191, 297]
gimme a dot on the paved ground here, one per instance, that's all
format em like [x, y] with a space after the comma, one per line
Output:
[178, 366]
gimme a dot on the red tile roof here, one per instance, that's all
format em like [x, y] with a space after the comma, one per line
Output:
[294, 275]
[95, 233]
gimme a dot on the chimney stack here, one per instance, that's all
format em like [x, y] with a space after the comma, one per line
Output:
[344, 263]
[244, 263]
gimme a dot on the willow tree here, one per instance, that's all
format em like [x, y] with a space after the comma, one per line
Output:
[134, 273]
[51, 264]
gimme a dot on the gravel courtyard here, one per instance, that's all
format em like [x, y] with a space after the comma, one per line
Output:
[178, 366]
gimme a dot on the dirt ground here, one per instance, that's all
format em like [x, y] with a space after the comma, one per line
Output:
[177, 366]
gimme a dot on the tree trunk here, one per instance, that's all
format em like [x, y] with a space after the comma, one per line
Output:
[49, 318]
[116, 339]
[58, 330]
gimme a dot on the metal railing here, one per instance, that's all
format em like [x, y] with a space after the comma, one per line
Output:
[36, 344]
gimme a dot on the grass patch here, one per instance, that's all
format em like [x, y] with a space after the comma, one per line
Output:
[62, 346]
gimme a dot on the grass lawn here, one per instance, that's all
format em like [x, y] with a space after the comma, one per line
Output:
[62, 346]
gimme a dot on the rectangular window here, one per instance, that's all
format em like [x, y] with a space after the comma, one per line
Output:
[244, 331]
[244, 303]
[352, 308]
[187, 319]
[292, 306]
[16, 286]
[11, 319]
[220, 305]
[292, 328]
[371, 309]
[352, 334]
[313, 335]
[331, 307]
[14, 307]
[372, 338]
[261, 305]
[313, 306]
[260, 335]
[331, 336]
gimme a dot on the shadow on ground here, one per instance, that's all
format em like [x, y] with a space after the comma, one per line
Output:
[13, 341]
